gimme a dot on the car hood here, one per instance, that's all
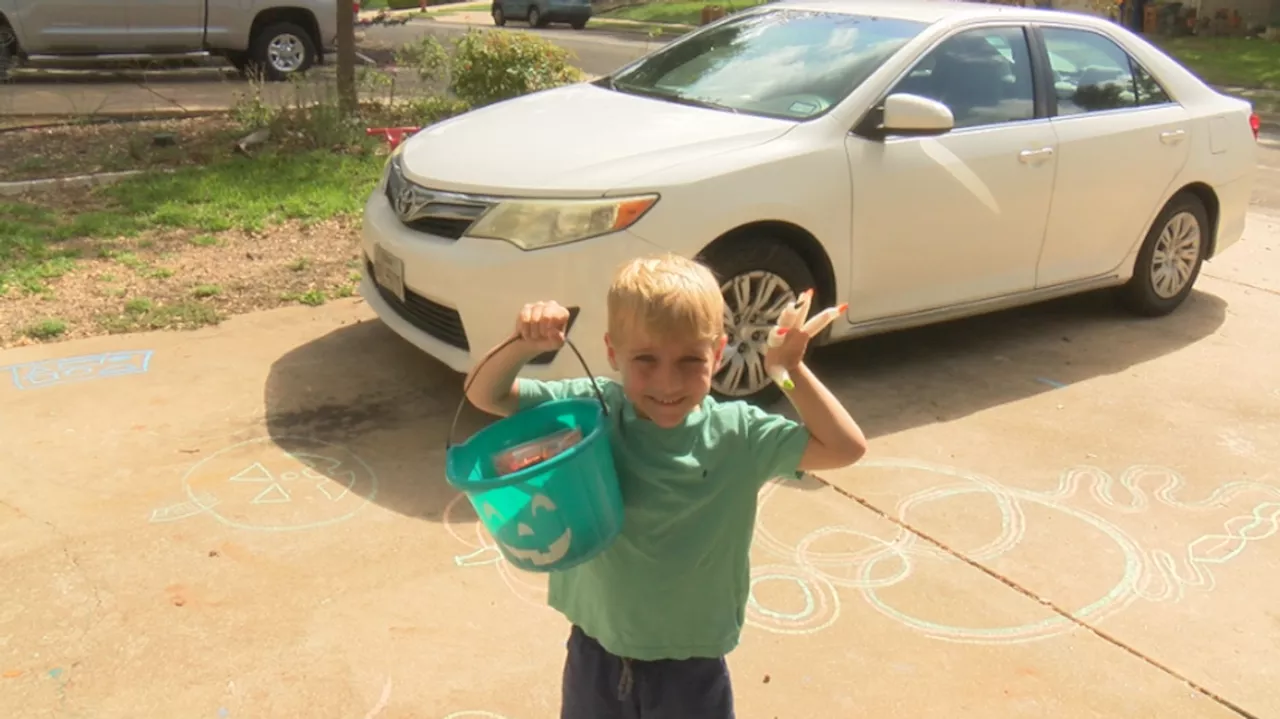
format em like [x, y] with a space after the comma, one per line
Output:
[579, 140]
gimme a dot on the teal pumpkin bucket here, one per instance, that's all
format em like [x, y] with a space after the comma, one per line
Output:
[555, 514]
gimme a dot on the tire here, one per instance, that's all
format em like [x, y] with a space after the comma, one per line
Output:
[8, 56]
[578, 24]
[535, 17]
[1162, 276]
[240, 61]
[281, 50]
[499, 17]
[753, 259]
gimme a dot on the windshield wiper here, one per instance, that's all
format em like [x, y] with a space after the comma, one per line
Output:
[671, 97]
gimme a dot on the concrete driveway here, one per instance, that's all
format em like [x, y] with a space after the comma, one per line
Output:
[1066, 512]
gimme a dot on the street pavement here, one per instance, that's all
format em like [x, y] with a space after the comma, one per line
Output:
[46, 93]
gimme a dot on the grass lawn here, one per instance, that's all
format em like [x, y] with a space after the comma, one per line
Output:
[1228, 61]
[183, 248]
[684, 13]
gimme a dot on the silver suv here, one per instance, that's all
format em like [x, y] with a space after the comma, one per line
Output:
[276, 38]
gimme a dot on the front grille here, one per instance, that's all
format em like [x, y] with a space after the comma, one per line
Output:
[442, 323]
[441, 227]
[442, 214]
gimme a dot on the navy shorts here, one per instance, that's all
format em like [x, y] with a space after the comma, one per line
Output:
[598, 685]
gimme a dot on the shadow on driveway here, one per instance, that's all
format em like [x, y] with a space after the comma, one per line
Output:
[364, 388]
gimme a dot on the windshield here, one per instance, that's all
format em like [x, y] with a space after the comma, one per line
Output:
[793, 64]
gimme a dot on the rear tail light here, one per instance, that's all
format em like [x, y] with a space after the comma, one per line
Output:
[1255, 124]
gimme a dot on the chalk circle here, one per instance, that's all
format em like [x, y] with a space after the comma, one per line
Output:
[859, 565]
[462, 523]
[763, 539]
[1114, 600]
[810, 604]
[281, 484]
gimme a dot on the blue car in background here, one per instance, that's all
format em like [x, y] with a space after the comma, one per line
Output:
[540, 13]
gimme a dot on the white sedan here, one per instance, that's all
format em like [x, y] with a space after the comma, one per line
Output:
[921, 161]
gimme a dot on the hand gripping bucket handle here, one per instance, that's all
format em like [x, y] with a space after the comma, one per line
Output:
[453, 427]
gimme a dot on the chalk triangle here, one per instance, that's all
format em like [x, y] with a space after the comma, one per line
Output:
[253, 473]
[274, 494]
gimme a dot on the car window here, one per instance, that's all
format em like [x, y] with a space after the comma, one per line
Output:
[1091, 73]
[782, 63]
[1149, 90]
[983, 75]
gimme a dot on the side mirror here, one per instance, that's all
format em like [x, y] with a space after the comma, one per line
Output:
[913, 115]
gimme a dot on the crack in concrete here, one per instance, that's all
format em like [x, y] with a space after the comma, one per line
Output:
[1205, 691]
[64, 542]
[1228, 280]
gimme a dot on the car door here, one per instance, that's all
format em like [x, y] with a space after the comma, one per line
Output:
[167, 25]
[958, 217]
[74, 26]
[1121, 143]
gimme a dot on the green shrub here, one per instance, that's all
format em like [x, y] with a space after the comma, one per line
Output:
[426, 57]
[433, 108]
[490, 66]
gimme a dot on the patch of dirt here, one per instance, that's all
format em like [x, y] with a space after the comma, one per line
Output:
[84, 148]
[182, 280]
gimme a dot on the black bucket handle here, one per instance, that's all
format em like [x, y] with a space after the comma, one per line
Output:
[448, 440]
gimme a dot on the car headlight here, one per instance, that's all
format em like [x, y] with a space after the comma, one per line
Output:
[533, 224]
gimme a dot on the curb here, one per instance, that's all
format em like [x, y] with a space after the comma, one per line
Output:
[41, 121]
[21, 187]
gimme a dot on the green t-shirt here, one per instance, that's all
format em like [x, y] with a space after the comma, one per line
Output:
[675, 583]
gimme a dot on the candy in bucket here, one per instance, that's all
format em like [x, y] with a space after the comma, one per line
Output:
[523, 456]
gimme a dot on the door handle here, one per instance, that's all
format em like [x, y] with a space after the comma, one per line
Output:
[1172, 137]
[1033, 156]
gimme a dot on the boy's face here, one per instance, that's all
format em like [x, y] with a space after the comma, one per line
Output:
[665, 380]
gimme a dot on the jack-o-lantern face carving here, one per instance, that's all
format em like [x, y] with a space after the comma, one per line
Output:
[540, 508]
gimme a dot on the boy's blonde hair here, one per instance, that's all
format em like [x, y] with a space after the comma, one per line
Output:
[668, 297]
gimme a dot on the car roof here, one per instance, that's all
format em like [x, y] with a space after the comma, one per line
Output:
[935, 11]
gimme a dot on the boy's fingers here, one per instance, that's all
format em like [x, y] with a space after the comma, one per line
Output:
[536, 320]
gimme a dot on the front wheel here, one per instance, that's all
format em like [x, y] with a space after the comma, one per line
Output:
[282, 50]
[535, 17]
[578, 24]
[1170, 259]
[759, 276]
[8, 46]
[499, 17]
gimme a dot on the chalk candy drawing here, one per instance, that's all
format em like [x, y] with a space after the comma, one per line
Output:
[461, 522]
[276, 484]
[49, 373]
[813, 605]
[1152, 575]
[796, 586]
[182, 510]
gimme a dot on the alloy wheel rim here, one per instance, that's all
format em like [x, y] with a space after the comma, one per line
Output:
[753, 302]
[1176, 253]
[286, 52]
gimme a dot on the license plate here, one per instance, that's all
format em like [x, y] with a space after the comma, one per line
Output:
[388, 271]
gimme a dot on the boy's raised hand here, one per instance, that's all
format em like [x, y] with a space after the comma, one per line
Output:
[542, 325]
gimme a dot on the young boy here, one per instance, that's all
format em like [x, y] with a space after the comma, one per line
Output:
[655, 614]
